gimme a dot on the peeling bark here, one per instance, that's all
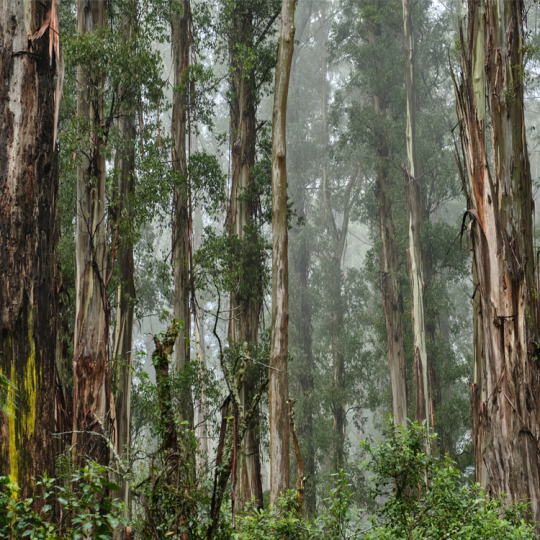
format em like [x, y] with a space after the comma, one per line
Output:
[123, 339]
[28, 292]
[181, 41]
[507, 421]
[279, 379]
[181, 46]
[244, 323]
[477, 37]
[391, 290]
[90, 389]
[414, 209]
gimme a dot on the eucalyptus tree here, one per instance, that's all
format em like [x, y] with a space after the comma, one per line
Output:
[28, 191]
[242, 35]
[416, 217]
[337, 242]
[499, 191]
[123, 334]
[181, 19]
[302, 167]
[279, 347]
[114, 76]
[375, 66]
[375, 121]
[246, 301]
[90, 398]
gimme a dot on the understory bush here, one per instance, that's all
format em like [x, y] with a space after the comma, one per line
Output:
[417, 495]
[82, 509]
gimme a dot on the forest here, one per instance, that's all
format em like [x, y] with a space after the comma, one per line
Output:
[269, 269]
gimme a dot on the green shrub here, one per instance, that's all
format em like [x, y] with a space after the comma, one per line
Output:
[425, 498]
[419, 496]
[81, 510]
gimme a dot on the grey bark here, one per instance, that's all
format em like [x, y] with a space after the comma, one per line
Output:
[90, 396]
[279, 380]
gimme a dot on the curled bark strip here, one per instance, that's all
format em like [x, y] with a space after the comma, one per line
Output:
[473, 215]
[50, 23]
[44, 26]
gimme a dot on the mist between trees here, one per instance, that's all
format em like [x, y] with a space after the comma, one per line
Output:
[269, 269]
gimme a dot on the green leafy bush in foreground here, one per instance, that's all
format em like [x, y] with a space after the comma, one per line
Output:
[425, 498]
[81, 510]
[420, 497]
[417, 496]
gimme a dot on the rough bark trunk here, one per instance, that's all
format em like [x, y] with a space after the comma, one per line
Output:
[390, 287]
[91, 401]
[279, 380]
[181, 46]
[500, 207]
[181, 41]
[200, 345]
[201, 411]
[162, 358]
[416, 218]
[123, 339]
[477, 37]
[28, 188]
[244, 323]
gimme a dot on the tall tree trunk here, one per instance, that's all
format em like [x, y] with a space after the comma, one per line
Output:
[244, 323]
[307, 383]
[123, 339]
[304, 318]
[501, 207]
[416, 219]
[390, 287]
[279, 346]
[181, 47]
[200, 345]
[91, 401]
[181, 41]
[338, 238]
[336, 314]
[28, 188]
[477, 37]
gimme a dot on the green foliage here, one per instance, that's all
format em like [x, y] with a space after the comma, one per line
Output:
[85, 506]
[426, 498]
[207, 182]
[419, 496]
[281, 522]
[234, 265]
